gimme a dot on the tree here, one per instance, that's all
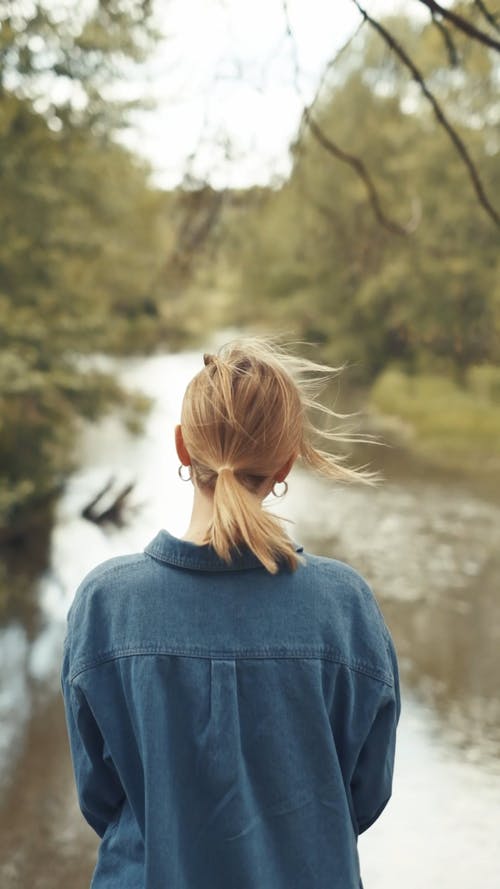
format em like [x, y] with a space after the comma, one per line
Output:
[318, 258]
[469, 37]
[82, 237]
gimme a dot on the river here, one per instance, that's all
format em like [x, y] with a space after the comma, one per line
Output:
[429, 546]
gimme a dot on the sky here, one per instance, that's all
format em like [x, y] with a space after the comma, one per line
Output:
[224, 73]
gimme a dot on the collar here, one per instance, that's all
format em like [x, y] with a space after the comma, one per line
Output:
[184, 554]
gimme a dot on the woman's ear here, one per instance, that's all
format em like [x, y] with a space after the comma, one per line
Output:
[282, 474]
[181, 447]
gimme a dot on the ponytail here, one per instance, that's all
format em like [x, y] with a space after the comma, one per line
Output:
[238, 516]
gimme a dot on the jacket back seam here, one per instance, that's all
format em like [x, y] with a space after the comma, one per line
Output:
[241, 654]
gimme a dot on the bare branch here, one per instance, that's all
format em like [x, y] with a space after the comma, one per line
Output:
[327, 142]
[293, 42]
[438, 111]
[112, 510]
[202, 208]
[333, 61]
[447, 39]
[357, 164]
[328, 67]
[462, 24]
[489, 16]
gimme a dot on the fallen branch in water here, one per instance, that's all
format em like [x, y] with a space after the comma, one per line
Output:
[113, 511]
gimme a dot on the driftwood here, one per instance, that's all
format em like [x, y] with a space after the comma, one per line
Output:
[112, 510]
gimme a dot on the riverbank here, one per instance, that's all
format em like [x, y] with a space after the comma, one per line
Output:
[434, 420]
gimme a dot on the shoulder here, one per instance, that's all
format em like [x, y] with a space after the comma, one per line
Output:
[105, 578]
[339, 580]
[336, 568]
[353, 614]
[100, 600]
[110, 569]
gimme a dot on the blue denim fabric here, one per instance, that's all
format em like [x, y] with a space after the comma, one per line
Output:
[229, 729]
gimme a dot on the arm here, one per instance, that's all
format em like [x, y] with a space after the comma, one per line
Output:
[371, 783]
[100, 793]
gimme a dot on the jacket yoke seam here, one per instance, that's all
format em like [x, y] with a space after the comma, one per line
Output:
[355, 665]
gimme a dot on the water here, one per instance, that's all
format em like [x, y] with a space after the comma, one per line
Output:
[429, 548]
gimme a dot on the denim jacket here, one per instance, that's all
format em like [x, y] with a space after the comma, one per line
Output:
[229, 728]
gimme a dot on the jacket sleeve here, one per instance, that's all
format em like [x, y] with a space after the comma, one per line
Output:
[371, 783]
[100, 793]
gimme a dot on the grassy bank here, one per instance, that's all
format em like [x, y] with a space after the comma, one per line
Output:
[434, 418]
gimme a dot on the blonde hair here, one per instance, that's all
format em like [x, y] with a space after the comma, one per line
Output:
[244, 415]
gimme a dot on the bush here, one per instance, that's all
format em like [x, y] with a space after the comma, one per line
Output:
[451, 426]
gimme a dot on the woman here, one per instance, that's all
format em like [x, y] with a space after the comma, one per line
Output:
[231, 699]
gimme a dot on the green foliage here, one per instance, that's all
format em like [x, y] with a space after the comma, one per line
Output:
[313, 256]
[63, 58]
[484, 381]
[450, 425]
[83, 242]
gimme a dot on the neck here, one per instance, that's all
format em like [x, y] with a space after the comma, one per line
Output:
[201, 516]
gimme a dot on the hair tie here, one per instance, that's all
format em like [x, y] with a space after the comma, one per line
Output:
[225, 467]
[208, 359]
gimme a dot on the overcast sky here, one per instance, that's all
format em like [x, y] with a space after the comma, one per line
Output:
[226, 69]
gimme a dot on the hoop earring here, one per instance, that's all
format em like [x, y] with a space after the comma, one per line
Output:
[283, 492]
[184, 478]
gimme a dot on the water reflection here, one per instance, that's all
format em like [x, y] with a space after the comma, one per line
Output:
[42, 581]
[14, 695]
[22, 562]
[441, 827]
[430, 554]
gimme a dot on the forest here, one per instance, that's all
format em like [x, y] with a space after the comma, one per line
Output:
[388, 262]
